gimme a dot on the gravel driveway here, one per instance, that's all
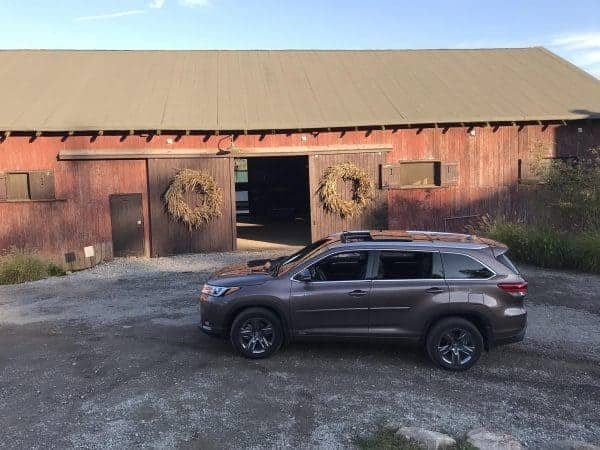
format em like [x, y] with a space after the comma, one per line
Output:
[111, 357]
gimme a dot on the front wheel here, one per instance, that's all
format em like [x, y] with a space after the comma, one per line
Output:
[256, 333]
[454, 344]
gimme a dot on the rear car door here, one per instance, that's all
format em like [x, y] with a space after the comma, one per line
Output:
[408, 288]
[336, 299]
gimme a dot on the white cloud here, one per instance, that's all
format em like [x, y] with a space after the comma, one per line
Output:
[157, 4]
[582, 49]
[114, 15]
[577, 41]
[588, 58]
[194, 3]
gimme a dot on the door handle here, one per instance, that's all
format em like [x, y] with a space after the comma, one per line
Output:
[357, 293]
[435, 290]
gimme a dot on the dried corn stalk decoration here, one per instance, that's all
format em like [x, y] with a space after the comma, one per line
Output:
[209, 206]
[362, 190]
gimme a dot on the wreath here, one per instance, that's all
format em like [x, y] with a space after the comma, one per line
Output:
[362, 189]
[211, 198]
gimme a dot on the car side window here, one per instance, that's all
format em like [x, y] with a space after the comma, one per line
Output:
[345, 266]
[459, 267]
[407, 265]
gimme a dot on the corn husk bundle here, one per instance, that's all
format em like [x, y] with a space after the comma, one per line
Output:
[362, 190]
[209, 206]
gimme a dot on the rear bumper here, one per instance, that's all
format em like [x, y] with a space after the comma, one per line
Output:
[509, 339]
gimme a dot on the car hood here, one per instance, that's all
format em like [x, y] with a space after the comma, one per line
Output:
[249, 274]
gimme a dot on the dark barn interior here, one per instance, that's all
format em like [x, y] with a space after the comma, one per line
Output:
[272, 201]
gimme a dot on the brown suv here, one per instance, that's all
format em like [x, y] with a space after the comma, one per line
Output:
[456, 294]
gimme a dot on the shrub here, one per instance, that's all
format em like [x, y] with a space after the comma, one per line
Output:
[55, 271]
[569, 189]
[18, 266]
[545, 246]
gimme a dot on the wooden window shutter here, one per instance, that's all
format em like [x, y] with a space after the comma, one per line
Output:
[449, 175]
[2, 186]
[41, 185]
[386, 175]
[17, 186]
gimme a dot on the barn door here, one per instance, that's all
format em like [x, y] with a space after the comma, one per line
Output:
[127, 224]
[374, 216]
[170, 237]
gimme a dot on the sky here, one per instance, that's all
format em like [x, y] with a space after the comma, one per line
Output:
[569, 28]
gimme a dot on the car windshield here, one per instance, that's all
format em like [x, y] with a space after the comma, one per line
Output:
[293, 260]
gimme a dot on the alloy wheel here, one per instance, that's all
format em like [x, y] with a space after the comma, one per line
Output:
[257, 335]
[456, 347]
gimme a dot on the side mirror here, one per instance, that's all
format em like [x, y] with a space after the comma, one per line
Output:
[303, 276]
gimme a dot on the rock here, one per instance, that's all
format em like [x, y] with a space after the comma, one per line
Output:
[572, 445]
[487, 440]
[431, 440]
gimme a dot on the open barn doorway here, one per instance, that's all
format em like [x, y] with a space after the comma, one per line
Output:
[272, 202]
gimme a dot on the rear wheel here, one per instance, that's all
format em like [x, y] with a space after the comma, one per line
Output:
[256, 333]
[454, 344]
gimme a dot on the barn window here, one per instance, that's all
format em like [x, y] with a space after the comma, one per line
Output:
[418, 174]
[35, 185]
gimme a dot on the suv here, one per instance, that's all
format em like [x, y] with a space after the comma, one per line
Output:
[455, 294]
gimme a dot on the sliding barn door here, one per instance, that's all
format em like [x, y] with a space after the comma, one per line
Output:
[374, 216]
[170, 237]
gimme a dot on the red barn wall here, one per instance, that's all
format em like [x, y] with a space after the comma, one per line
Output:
[488, 171]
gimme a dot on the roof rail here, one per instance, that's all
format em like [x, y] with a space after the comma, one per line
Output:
[355, 236]
[379, 236]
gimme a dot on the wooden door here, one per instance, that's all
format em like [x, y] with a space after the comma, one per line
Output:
[374, 216]
[170, 237]
[127, 223]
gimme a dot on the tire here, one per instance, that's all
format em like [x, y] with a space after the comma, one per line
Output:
[454, 344]
[256, 333]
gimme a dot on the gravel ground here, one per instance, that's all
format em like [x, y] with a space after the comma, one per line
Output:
[112, 357]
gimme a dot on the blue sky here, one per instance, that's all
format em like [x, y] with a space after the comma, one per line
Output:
[569, 28]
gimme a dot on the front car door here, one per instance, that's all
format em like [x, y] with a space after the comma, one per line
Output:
[408, 288]
[335, 301]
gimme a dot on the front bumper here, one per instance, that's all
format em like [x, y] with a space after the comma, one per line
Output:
[211, 317]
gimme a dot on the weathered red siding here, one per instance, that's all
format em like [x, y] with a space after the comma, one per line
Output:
[81, 215]
[487, 176]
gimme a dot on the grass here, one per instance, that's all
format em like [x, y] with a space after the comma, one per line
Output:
[385, 438]
[17, 266]
[546, 247]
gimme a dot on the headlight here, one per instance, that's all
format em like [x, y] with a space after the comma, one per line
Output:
[218, 291]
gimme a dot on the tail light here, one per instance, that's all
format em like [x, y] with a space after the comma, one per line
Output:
[515, 289]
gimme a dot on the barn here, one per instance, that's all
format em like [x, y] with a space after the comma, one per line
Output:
[90, 142]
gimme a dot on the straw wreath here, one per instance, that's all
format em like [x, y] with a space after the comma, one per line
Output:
[209, 206]
[362, 189]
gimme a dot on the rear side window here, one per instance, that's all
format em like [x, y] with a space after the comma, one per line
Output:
[505, 260]
[398, 265]
[341, 267]
[458, 267]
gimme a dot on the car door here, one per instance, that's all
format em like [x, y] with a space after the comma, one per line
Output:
[408, 289]
[335, 300]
